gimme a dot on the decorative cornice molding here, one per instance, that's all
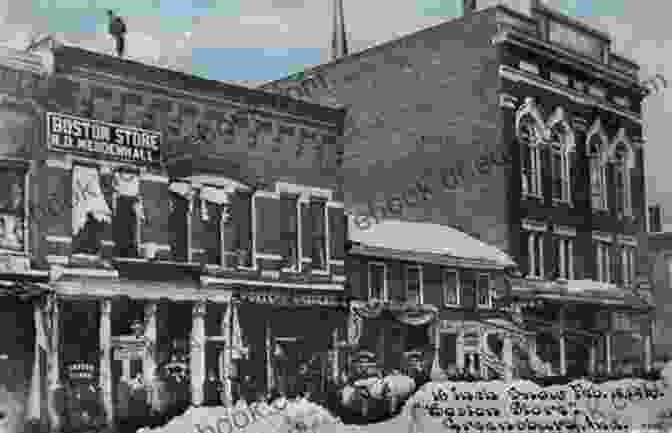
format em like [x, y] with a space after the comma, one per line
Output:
[516, 76]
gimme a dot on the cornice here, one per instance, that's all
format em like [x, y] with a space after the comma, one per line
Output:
[22, 61]
[546, 49]
[176, 95]
[580, 98]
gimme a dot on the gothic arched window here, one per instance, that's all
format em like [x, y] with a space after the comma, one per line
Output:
[596, 143]
[562, 148]
[620, 158]
[529, 134]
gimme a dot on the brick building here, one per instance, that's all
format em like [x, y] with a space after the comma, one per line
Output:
[439, 292]
[525, 130]
[660, 273]
[175, 224]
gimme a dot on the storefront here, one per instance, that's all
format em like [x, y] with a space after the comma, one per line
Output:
[391, 331]
[291, 340]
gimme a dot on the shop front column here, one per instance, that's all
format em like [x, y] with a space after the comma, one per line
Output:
[459, 350]
[106, 358]
[648, 347]
[197, 356]
[607, 349]
[54, 364]
[336, 368]
[507, 355]
[563, 348]
[149, 360]
[269, 356]
[592, 357]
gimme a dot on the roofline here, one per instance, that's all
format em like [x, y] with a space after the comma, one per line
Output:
[382, 45]
[69, 57]
[362, 249]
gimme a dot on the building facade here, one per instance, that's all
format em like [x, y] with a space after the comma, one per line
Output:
[440, 294]
[660, 274]
[525, 130]
[176, 225]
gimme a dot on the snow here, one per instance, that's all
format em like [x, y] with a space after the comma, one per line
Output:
[426, 238]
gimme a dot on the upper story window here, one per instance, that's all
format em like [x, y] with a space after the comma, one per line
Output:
[451, 287]
[562, 152]
[484, 297]
[596, 146]
[290, 232]
[668, 260]
[628, 269]
[413, 280]
[604, 261]
[318, 218]
[621, 160]
[99, 200]
[564, 257]
[378, 281]
[533, 242]
[530, 131]
[219, 219]
[13, 208]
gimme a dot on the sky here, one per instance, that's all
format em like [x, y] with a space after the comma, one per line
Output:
[252, 41]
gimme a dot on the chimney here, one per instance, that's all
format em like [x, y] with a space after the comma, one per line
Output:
[655, 219]
[468, 6]
[339, 41]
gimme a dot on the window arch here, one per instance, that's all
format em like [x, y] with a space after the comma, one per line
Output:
[596, 145]
[530, 133]
[562, 148]
[621, 157]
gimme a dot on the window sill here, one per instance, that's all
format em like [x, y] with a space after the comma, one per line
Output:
[5, 251]
[531, 196]
[323, 272]
[247, 268]
[558, 202]
[292, 270]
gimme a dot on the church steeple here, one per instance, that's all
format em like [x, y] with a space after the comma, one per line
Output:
[339, 41]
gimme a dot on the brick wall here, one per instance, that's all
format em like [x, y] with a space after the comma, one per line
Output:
[440, 82]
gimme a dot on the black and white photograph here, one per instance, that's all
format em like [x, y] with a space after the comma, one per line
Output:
[279, 216]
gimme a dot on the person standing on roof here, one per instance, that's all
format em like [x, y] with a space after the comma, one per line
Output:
[117, 28]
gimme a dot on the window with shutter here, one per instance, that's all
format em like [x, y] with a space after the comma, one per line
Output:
[337, 235]
[290, 232]
[451, 295]
[484, 299]
[242, 220]
[468, 289]
[413, 284]
[12, 208]
[378, 281]
[178, 224]
[91, 211]
[319, 244]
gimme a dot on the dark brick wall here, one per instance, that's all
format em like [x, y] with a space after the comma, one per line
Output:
[580, 216]
[440, 82]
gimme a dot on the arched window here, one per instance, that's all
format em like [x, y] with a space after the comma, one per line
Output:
[530, 132]
[562, 148]
[596, 145]
[620, 156]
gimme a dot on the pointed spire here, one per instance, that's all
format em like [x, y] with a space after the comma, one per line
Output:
[339, 41]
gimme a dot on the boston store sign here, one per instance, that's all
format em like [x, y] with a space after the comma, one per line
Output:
[100, 139]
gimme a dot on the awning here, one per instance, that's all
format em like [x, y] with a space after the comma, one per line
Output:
[583, 291]
[425, 242]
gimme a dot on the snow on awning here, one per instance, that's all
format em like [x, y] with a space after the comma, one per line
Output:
[429, 240]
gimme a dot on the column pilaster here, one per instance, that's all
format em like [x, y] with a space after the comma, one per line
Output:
[106, 358]
[54, 362]
[197, 356]
[563, 347]
[507, 354]
[149, 360]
